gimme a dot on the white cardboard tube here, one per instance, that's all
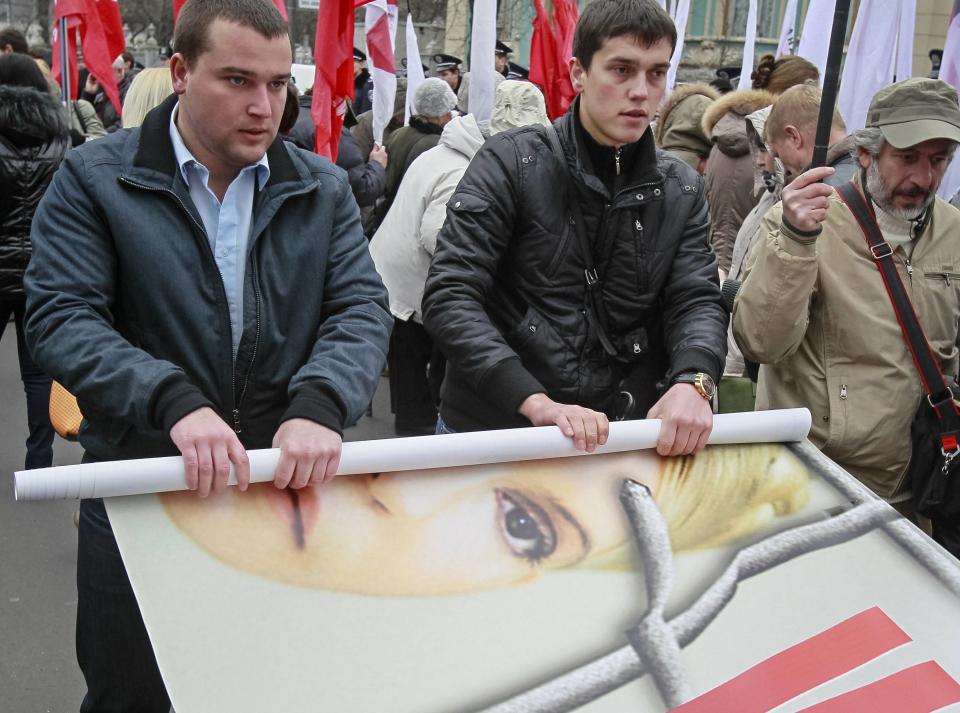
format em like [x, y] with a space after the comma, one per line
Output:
[157, 475]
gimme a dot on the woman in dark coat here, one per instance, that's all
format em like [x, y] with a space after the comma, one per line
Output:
[34, 136]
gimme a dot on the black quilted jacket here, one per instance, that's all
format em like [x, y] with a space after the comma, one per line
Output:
[33, 139]
[505, 295]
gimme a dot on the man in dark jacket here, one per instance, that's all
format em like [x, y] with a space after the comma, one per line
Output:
[203, 288]
[362, 84]
[532, 335]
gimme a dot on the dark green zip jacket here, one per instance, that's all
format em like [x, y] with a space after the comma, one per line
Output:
[126, 307]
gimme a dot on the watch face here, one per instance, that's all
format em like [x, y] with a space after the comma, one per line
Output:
[707, 385]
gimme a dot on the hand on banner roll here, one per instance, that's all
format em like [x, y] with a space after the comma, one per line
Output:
[686, 420]
[208, 446]
[379, 154]
[309, 453]
[806, 198]
[587, 428]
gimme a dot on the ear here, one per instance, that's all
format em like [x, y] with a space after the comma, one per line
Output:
[794, 136]
[178, 73]
[864, 158]
[577, 74]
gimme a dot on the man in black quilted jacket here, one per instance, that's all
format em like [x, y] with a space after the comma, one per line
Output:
[544, 324]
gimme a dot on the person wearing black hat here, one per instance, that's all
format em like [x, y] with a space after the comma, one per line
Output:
[936, 57]
[362, 84]
[447, 68]
[515, 71]
[501, 55]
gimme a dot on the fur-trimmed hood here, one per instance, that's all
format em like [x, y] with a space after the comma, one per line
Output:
[678, 96]
[30, 116]
[723, 121]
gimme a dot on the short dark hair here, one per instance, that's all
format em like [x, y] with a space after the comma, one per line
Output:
[21, 70]
[644, 20]
[191, 36]
[13, 37]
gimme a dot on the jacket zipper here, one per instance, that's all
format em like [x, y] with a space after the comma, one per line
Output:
[616, 159]
[256, 345]
[223, 291]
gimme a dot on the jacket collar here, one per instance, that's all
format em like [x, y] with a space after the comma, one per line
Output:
[642, 169]
[154, 156]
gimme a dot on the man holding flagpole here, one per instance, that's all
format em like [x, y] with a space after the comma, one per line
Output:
[573, 280]
[204, 288]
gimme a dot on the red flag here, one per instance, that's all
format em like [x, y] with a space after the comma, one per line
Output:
[333, 81]
[109, 12]
[548, 69]
[565, 16]
[85, 15]
[178, 5]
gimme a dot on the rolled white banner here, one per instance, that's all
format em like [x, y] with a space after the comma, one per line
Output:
[158, 475]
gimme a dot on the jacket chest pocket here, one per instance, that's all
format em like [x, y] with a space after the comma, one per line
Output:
[937, 300]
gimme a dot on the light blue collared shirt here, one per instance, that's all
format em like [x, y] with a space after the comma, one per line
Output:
[227, 224]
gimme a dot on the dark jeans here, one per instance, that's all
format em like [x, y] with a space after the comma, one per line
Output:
[113, 649]
[416, 372]
[36, 385]
[947, 534]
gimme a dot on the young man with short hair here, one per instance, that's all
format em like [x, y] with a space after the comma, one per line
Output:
[203, 288]
[507, 300]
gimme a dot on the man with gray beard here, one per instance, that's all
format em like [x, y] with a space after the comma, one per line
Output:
[813, 309]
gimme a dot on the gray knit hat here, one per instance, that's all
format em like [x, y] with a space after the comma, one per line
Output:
[434, 98]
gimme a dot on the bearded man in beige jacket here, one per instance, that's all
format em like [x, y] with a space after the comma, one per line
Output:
[813, 309]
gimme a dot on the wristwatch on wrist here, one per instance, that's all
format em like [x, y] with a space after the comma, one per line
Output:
[703, 383]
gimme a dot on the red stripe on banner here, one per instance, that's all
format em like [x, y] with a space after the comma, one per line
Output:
[783, 676]
[378, 45]
[919, 689]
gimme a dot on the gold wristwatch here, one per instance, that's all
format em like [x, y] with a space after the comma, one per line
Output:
[703, 383]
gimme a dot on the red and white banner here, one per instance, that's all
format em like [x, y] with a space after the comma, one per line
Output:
[908, 22]
[870, 60]
[483, 42]
[815, 38]
[565, 16]
[380, 24]
[547, 68]
[682, 8]
[333, 82]
[749, 47]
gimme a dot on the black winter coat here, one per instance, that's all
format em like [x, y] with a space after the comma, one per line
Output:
[33, 140]
[505, 296]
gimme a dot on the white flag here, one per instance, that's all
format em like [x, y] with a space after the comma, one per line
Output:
[908, 21]
[950, 73]
[749, 47]
[869, 65]
[815, 38]
[380, 24]
[414, 68]
[680, 21]
[483, 41]
[788, 30]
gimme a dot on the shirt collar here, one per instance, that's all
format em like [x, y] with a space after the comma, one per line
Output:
[185, 159]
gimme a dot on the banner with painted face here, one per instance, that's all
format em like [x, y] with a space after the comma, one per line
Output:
[757, 574]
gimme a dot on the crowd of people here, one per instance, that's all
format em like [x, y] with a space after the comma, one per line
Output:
[205, 284]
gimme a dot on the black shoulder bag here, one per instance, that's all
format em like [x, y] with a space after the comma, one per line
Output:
[934, 468]
[623, 403]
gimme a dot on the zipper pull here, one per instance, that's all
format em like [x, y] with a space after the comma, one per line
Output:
[910, 269]
[616, 158]
[843, 391]
[639, 226]
[236, 420]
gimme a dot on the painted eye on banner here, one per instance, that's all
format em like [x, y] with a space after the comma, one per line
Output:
[525, 527]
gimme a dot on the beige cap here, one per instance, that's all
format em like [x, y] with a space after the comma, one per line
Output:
[916, 110]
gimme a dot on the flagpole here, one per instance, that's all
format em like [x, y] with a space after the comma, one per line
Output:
[65, 93]
[831, 81]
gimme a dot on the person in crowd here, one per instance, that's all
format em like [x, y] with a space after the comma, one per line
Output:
[405, 242]
[532, 335]
[769, 177]
[362, 129]
[34, 136]
[725, 77]
[131, 67]
[679, 127]
[163, 57]
[203, 288]
[501, 58]
[792, 130]
[447, 68]
[362, 84]
[93, 93]
[434, 103]
[517, 71]
[148, 90]
[463, 93]
[83, 119]
[12, 41]
[368, 178]
[729, 170]
[813, 309]
[936, 58]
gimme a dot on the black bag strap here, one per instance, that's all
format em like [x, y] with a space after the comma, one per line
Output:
[591, 277]
[76, 111]
[939, 395]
